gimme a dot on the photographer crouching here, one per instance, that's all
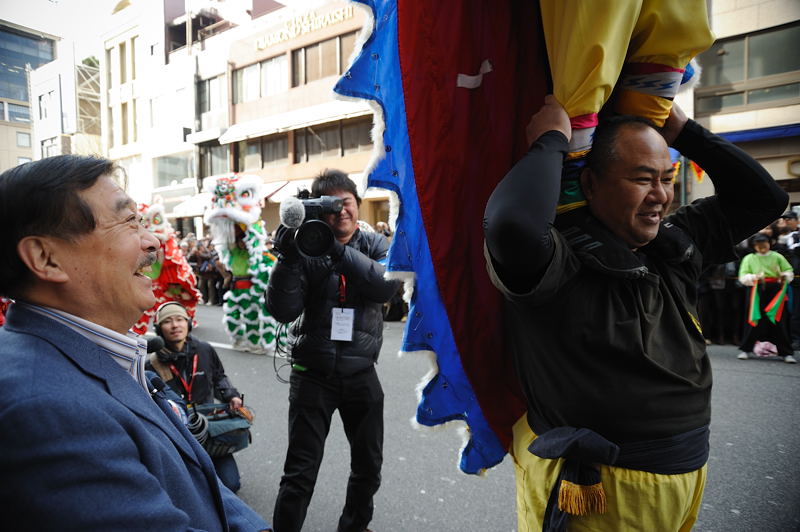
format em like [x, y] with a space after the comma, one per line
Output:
[192, 369]
[336, 283]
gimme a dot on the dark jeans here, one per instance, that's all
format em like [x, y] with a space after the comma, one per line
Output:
[208, 288]
[312, 401]
[227, 471]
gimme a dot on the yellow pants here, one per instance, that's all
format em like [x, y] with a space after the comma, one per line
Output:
[589, 42]
[636, 500]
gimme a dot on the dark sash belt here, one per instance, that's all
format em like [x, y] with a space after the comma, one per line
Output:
[578, 489]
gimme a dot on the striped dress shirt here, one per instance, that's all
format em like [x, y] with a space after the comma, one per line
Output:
[129, 351]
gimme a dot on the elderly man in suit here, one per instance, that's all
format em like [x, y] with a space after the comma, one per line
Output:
[86, 441]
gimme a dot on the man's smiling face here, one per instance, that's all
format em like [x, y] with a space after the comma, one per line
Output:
[105, 265]
[636, 188]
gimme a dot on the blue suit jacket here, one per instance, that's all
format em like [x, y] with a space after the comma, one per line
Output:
[84, 447]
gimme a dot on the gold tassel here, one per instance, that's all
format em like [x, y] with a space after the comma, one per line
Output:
[577, 499]
[561, 209]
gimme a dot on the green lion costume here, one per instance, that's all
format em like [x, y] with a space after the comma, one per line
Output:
[240, 236]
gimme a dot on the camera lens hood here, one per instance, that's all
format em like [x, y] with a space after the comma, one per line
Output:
[314, 239]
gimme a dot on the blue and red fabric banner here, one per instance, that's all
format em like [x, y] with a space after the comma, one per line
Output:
[457, 83]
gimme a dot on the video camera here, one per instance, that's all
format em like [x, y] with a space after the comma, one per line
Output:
[314, 237]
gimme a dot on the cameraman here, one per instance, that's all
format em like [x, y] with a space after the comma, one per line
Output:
[193, 370]
[339, 295]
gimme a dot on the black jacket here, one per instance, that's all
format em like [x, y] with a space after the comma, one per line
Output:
[311, 287]
[603, 337]
[210, 380]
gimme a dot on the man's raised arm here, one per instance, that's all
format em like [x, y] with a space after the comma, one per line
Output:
[521, 209]
[747, 194]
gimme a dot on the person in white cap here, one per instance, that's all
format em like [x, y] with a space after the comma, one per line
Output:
[192, 369]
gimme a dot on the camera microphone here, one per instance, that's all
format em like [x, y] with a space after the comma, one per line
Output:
[155, 344]
[292, 212]
[158, 384]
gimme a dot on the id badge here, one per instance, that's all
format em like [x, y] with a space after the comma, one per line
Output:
[342, 324]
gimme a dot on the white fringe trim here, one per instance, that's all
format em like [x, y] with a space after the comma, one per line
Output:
[394, 210]
[692, 83]
[460, 426]
[408, 278]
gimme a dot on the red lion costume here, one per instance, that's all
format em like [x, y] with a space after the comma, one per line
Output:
[173, 278]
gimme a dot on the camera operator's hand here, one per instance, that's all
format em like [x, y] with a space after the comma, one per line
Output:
[284, 243]
[235, 403]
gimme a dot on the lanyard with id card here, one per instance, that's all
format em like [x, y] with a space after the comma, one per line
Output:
[342, 318]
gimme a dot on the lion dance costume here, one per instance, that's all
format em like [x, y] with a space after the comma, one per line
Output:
[240, 237]
[173, 278]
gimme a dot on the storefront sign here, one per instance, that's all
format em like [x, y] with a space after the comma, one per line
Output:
[303, 24]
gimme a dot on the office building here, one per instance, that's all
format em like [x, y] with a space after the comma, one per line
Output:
[20, 49]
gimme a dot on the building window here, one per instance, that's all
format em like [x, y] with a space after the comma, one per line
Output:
[151, 112]
[213, 160]
[274, 76]
[210, 94]
[275, 150]
[264, 152]
[124, 122]
[23, 160]
[42, 106]
[19, 113]
[109, 77]
[260, 79]
[246, 84]
[50, 147]
[111, 135]
[134, 121]
[322, 59]
[172, 169]
[357, 136]
[348, 44]
[203, 100]
[17, 51]
[332, 140]
[312, 143]
[747, 72]
[250, 155]
[46, 105]
[133, 57]
[123, 63]
[23, 139]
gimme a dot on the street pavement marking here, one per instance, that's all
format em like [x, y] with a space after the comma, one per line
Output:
[222, 346]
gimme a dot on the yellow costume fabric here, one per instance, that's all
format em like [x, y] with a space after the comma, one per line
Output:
[636, 500]
[588, 43]
[634, 51]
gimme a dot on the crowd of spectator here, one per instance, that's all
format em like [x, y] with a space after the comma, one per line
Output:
[213, 280]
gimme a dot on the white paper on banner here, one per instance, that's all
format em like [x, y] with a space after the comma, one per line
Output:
[342, 324]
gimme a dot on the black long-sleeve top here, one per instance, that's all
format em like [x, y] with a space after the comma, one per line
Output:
[604, 337]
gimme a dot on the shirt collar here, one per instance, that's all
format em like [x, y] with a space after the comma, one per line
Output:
[129, 351]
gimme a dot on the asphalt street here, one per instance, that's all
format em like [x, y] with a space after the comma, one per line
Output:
[754, 469]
